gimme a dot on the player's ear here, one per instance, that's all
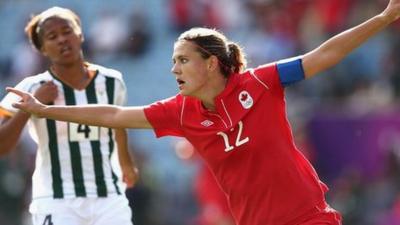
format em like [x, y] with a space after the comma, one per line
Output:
[213, 62]
[81, 37]
[43, 51]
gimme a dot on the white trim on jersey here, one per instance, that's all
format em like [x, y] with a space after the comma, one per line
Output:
[226, 111]
[252, 73]
[183, 107]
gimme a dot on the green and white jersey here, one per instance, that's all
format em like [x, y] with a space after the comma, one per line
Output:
[75, 160]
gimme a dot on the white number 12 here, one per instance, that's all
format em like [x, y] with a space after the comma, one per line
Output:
[238, 142]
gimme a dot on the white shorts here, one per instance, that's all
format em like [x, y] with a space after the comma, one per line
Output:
[81, 211]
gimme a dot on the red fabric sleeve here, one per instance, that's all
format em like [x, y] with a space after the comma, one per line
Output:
[164, 116]
[268, 74]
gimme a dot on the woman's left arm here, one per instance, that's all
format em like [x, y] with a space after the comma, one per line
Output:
[336, 48]
[130, 172]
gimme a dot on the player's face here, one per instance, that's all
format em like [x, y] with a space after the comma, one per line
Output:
[61, 43]
[190, 69]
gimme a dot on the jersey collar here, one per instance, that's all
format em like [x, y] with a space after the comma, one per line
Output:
[230, 86]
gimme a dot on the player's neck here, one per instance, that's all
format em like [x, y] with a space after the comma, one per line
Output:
[77, 76]
[212, 91]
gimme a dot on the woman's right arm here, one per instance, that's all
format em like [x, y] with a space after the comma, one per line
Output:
[10, 131]
[95, 115]
[11, 126]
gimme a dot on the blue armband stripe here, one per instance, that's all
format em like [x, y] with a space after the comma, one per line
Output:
[290, 72]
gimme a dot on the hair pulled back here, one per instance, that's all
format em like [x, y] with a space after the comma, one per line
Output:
[212, 42]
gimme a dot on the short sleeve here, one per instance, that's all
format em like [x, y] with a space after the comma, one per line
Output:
[281, 73]
[164, 116]
[268, 76]
[121, 94]
[6, 108]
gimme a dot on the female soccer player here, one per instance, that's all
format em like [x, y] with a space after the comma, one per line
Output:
[77, 177]
[237, 121]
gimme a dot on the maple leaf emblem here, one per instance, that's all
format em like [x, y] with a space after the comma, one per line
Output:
[243, 97]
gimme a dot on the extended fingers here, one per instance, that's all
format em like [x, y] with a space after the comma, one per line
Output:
[16, 91]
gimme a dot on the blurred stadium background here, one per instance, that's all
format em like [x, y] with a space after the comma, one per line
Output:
[346, 121]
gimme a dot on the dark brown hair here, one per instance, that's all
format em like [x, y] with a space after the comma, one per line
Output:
[33, 27]
[212, 42]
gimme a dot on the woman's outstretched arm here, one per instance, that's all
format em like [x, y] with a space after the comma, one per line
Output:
[336, 48]
[95, 115]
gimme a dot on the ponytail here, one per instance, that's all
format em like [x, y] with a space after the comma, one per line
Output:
[236, 57]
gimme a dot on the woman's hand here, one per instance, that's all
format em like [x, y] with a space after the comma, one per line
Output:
[46, 93]
[28, 102]
[130, 175]
[392, 11]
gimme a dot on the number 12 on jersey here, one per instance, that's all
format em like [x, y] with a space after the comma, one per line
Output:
[80, 132]
[239, 140]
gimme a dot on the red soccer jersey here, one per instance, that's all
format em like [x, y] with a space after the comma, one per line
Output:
[247, 142]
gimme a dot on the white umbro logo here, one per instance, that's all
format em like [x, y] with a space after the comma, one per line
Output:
[207, 123]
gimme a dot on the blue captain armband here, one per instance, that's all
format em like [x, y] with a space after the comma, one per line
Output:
[290, 71]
